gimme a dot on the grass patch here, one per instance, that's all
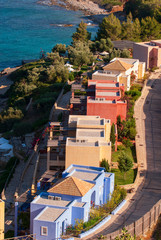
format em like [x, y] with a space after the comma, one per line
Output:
[120, 179]
[130, 151]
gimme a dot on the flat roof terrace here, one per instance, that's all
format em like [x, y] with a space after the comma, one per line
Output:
[107, 85]
[75, 118]
[50, 202]
[85, 175]
[90, 122]
[149, 44]
[102, 100]
[85, 121]
[86, 143]
[108, 94]
[51, 214]
[90, 133]
[107, 73]
[83, 168]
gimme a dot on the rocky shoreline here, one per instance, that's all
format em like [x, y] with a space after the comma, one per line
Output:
[89, 8]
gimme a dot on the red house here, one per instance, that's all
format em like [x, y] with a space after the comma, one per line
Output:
[105, 100]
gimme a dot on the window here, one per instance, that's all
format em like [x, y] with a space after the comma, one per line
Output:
[44, 231]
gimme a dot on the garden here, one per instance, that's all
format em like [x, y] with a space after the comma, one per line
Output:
[97, 214]
[125, 156]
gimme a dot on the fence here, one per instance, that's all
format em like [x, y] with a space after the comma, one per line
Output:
[33, 187]
[25, 237]
[142, 225]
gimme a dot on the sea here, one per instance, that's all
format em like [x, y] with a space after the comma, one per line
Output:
[27, 28]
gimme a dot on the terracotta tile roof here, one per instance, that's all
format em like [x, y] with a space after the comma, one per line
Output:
[117, 65]
[71, 186]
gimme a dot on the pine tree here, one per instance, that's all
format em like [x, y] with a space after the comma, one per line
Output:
[81, 33]
[127, 28]
[136, 30]
[109, 28]
[150, 29]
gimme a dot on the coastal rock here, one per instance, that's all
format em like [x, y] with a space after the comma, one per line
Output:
[62, 25]
[87, 6]
[68, 25]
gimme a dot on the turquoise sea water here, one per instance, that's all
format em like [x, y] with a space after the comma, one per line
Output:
[26, 28]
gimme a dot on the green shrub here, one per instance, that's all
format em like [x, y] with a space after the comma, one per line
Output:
[125, 236]
[120, 148]
[132, 133]
[67, 88]
[97, 214]
[40, 122]
[44, 103]
[22, 128]
[127, 142]
[9, 117]
[125, 163]
[71, 76]
[105, 164]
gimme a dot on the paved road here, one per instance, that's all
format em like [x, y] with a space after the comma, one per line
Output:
[148, 120]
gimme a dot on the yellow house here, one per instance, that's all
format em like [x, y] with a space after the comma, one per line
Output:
[2, 217]
[91, 142]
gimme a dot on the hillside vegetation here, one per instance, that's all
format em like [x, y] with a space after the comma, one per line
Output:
[42, 81]
[108, 3]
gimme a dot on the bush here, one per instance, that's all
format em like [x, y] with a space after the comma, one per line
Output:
[71, 76]
[44, 103]
[132, 133]
[67, 88]
[125, 236]
[9, 117]
[125, 163]
[105, 164]
[21, 128]
[40, 123]
[120, 147]
[97, 214]
[127, 143]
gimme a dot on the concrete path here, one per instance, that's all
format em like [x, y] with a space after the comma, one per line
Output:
[28, 177]
[13, 184]
[148, 143]
[62, 105]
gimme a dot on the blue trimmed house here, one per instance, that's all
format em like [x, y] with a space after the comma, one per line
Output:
[69, 199]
